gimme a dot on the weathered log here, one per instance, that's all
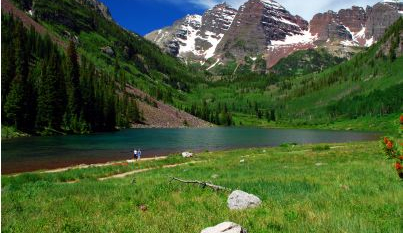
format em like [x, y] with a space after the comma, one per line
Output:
[202, 184]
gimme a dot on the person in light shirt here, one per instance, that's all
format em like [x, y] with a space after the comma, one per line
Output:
[135, 154]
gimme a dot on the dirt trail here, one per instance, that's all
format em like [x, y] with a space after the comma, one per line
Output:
[99, 165]
[123, 175]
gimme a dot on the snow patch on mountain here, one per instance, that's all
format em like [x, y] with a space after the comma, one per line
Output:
[188, 33]
[369, 42]
[214, 40]
[305, 38]
[272, 4]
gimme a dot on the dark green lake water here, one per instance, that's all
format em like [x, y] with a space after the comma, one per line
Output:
[29, 154]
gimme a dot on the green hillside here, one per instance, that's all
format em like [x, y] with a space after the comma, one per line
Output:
[305, 62]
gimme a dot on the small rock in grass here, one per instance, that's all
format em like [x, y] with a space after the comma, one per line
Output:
[239, 200]
[225, 227]
[345, 187]
[108, 50]
[143, 208]
[319, 164]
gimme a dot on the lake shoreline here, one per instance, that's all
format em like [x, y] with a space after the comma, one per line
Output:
[119, 162]
[364, 124]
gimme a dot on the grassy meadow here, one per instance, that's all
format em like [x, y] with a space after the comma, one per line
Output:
[304, 188]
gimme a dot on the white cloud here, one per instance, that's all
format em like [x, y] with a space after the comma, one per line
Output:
[305, 8]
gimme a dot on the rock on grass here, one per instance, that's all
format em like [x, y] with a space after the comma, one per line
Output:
[239, 200]
[225, 227]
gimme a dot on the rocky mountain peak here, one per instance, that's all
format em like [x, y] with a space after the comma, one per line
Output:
[257, 24]
[196, 37]
[218, 19]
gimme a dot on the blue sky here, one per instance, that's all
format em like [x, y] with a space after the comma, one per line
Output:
[143, 16]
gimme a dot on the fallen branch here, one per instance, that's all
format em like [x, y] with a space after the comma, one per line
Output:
[202, 184]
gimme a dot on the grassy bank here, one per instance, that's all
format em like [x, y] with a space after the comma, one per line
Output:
[386, 123]
[344, 188]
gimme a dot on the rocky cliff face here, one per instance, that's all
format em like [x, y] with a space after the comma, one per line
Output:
[356, 26]
[380, 17]
[265, 28]
[332, 25]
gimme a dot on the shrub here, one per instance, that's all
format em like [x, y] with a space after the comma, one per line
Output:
[321, 148]
[392, 148]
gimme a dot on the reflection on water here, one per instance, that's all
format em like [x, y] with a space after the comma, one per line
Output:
[27, 154]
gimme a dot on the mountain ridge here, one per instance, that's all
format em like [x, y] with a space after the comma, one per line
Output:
[265, 28]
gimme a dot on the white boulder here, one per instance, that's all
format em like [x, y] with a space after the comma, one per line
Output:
[225, 227]
[239, 200]
[187, 154]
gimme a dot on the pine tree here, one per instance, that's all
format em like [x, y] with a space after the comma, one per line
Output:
[51, 94]
[7, 69]
[73, 84]
[15, 106]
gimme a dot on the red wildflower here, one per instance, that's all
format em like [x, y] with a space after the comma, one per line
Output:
[398, 166]
[401, 119]
[385, 140]
[389, 145]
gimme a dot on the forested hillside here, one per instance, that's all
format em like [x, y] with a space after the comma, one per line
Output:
[45, 89]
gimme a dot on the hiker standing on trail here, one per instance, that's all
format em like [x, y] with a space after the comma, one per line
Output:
[139, 154]
[135, 154]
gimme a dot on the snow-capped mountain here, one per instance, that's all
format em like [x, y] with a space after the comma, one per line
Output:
[264, 28]
[195, 37]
